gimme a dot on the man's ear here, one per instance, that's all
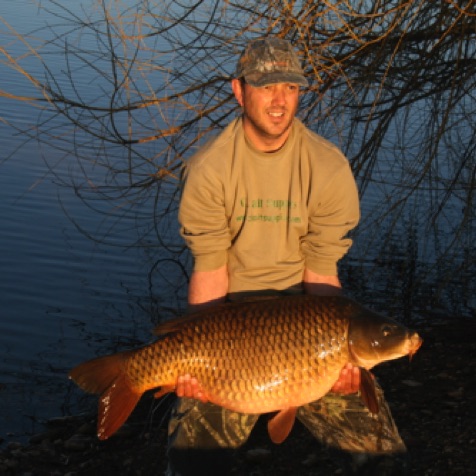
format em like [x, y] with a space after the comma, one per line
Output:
[237, 87]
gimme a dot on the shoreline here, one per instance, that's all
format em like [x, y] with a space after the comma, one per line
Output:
[432, 400]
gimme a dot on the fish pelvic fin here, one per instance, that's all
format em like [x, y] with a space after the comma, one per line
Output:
[367, 391]
[164, 390]
[106, 376]
[281, 424]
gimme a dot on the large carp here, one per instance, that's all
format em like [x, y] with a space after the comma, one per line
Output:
[252, 357]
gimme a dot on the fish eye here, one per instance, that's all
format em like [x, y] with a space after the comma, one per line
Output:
[387, 330]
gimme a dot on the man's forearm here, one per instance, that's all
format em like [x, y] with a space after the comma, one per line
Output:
[320, 284]
[207, 287]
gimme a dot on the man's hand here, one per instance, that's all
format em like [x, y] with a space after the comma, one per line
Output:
[189, 387]
[349, 380]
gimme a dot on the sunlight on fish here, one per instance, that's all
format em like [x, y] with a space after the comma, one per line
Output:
[251, 357]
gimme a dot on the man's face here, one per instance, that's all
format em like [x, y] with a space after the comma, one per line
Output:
[268, 112]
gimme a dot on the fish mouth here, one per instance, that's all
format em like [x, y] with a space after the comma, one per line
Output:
[414, 343]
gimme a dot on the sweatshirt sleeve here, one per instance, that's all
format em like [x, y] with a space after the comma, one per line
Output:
[202, 217]
[336, 213]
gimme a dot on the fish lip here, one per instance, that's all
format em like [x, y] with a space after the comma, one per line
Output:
[414, 343]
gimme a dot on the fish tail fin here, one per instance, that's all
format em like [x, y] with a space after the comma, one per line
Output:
[96, 375]
[115, 406]
[106, 376]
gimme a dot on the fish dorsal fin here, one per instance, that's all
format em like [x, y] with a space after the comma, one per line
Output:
[367, 391]
[281, 424]
[174, 325]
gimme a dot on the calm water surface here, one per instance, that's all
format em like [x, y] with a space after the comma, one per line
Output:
[58, 290]
[63, 297]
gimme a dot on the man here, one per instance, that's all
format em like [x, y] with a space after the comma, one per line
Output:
[266, 208]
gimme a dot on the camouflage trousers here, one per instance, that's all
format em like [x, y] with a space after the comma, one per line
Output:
[199, 432]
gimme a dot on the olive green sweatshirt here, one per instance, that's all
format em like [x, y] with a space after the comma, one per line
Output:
[268, 215]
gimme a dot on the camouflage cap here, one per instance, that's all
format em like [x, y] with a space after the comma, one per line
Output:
[270, 60]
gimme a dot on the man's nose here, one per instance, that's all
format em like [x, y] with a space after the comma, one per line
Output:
[279, 96]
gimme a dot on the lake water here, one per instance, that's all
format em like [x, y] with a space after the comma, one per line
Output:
[66, 297]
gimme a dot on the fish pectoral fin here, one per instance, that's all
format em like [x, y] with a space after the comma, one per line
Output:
[163, 390]
[281, 424]
[367, 391]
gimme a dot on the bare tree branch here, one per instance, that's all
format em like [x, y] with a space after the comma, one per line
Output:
[140, 86]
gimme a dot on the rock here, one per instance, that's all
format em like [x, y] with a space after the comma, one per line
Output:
[78, 443]
[14, 445]
[258, 455]
[49, 435]
[87, 429]
[126, 431]
[11, 464]
[411, 383]
[311, 460]
[457, 394]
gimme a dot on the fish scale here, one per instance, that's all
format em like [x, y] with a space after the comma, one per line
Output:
[250, 357]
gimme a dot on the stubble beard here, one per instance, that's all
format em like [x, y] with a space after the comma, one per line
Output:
[267, 132]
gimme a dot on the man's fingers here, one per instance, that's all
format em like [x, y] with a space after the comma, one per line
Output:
[348, 381]
[183, 388]
[189, 387]
[355, 379]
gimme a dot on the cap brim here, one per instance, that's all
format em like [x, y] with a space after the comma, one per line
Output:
[259, 79]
